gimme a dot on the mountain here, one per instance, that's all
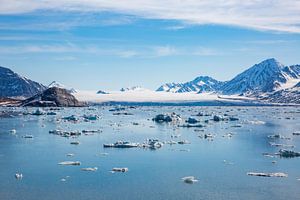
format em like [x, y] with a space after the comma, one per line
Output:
[170, 87]
[16, 86]
[265, 77]
[53, 97]
[198, 85]
[134, 88]
[59, 85]
[102, 92]
[289, 95]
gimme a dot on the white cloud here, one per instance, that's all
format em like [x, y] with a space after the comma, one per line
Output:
[276, 15]
[160, 51]
[205, 52]
[65, 58]
[127, 53]
[139, 51]
[268, 42]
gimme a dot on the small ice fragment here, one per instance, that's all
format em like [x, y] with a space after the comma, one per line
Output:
[75, 143]
[296, 133]
[229, 135]
[184, 142]
[227, 162]
[268, 155]
[18, 176]
[70, 163]
[28, 136]
[256, 122]
[288, 154]
[117, 169]
[90, 169]
[185, 150]
[189, 179]
[103, 154]
[277, 174]
[64, 179]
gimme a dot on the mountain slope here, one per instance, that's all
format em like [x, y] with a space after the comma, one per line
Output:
[14, 85]
[170, 87]
[199, 85]
[290, 95]
[267, 76]
[53, 97]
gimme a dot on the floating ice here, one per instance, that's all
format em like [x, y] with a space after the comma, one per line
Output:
[18, 176]
[277, 174]
[116, 169]
[70, 163]
[189, 179]
[90, 169]
[75, 143]
[288, 154]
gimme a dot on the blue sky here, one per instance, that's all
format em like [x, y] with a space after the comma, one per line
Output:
[92, 45]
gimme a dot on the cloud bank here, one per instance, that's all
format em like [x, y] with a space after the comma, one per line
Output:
[272, 15]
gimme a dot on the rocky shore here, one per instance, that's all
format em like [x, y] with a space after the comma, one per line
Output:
[53, 97]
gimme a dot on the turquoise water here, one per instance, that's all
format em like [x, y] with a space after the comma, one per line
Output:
[153, 174]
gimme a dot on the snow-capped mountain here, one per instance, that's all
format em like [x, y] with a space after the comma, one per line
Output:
[59, 85]
[14, 85]
[265, 77]
[198, 85]
[289, 95]
[134, 88]
[268, 81]
[170, 87]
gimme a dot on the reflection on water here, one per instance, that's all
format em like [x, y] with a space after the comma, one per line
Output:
[220, 164]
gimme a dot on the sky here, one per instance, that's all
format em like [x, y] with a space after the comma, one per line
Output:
[109, 44]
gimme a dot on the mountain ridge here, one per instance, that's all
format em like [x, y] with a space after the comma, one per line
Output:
[14, 85]
[258, 80]
[267, 79]
[199, 85]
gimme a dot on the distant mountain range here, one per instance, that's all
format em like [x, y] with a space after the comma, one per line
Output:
[14, 85]
[199, 85]
[267, 81]
[260, 80]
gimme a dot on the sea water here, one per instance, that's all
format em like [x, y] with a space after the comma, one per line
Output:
[220, 164]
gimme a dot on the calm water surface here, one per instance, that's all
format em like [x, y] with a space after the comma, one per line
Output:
[153, 174]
